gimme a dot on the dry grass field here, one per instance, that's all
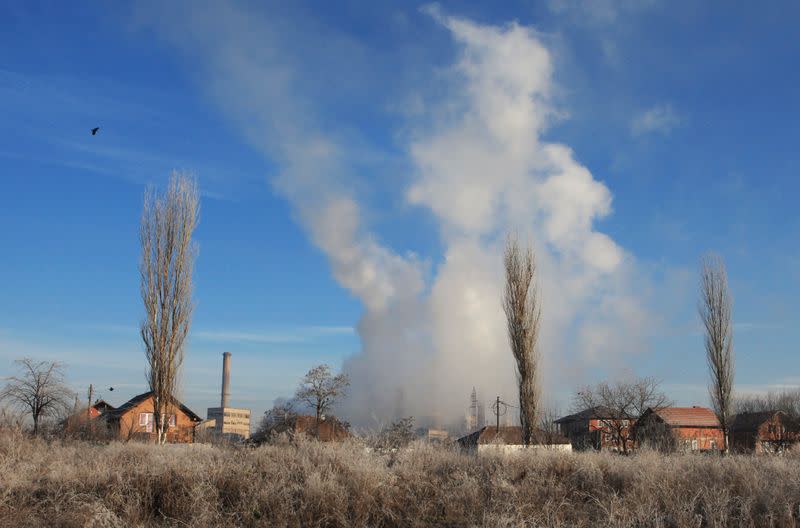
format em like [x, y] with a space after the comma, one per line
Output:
[309, 484]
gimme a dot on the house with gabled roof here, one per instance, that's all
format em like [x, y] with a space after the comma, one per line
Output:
[764, 432]
[134, 420]
[694, 428]
[595, 428]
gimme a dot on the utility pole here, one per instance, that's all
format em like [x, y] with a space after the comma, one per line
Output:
[496, 409]
[497, 413]
[89, 407]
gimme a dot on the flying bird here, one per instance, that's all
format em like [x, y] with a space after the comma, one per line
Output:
[94, 130]
[111, 389]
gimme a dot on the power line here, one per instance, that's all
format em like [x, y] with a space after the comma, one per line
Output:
[499, 411]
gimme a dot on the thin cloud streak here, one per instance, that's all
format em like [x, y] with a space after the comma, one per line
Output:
[293, 334]
[297, 335]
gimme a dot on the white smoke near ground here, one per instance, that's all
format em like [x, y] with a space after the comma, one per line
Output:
[481, 169]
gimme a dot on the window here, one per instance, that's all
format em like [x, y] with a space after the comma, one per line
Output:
[146, 421]
[694, 444]
[172, 420]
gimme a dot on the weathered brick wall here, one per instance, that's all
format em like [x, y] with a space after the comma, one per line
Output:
[700, 438]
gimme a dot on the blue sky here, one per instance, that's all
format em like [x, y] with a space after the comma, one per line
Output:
[342, 211]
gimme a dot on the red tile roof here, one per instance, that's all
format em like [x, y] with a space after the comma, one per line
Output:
[688, 416]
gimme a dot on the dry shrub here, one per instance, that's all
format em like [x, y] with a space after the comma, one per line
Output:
[306, 483]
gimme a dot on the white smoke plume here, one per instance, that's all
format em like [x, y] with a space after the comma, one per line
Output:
[481, 169]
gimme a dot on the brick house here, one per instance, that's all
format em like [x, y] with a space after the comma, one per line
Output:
[694, 428]
[764, 432]
[596, 428]
[134, 420]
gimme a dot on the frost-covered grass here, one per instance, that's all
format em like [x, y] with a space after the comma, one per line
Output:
[311, 484]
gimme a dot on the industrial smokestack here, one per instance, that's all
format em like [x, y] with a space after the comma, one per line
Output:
[226, 378]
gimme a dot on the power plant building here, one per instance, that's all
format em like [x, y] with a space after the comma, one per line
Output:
[229, 423]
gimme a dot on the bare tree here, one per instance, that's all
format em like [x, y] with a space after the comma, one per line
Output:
[320, 390]
[786, 400]
[397, 435]
[657, 435]
[548, 426]
[166, 267]
[279, 419]
[39, 390]
[716, 309]
[521, 304]
[621, 403]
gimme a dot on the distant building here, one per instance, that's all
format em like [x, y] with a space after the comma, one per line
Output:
[230, 423]
[134, 420]
[509, 440]
[764, 432]
[472, 415]
[433, 435]
[694, 428]
[595, 428]
[226, 423]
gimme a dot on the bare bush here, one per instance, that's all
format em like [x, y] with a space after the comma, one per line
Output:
[11, 419]
[80, 425]
[166, 267]
[277, 420]
[396, 436]
[522, 307]
[716, 313]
